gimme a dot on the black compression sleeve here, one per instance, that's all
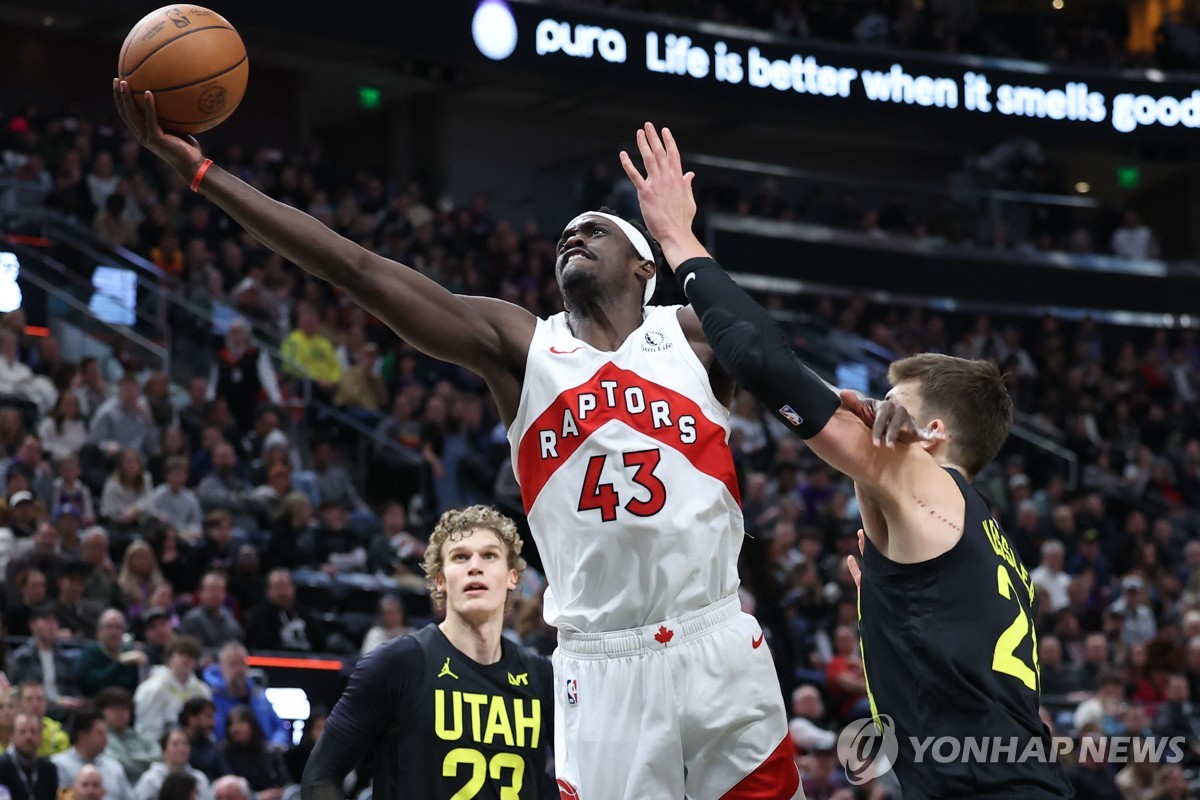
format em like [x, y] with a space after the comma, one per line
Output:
[753, 350]
[375, 698]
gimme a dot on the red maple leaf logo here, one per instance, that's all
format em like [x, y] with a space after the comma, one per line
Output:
[664, 635]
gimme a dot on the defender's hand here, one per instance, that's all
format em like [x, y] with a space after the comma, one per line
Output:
[852, 562]
[665, 194]
[889, 423]
[183, 154]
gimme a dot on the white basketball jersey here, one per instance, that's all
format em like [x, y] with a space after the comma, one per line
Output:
[626, 476]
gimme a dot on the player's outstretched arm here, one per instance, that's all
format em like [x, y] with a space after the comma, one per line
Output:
[482, 334]
[747, 341]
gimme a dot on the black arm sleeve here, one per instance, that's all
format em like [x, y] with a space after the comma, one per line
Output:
[753, 350]
[373, 700]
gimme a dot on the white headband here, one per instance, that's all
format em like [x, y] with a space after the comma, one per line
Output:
[636, 239]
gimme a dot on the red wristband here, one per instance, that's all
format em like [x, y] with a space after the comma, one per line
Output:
[199, 176]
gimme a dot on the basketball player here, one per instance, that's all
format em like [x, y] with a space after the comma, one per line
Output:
[454, 709]
[618, 423]
[945, 604]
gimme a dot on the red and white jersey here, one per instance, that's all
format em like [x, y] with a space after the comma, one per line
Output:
[627, 476]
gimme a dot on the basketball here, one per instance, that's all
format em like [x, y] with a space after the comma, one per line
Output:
[192, 60]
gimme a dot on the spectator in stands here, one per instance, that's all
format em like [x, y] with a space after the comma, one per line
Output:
[139, 576]
[28, 776]
[8, 713]
[394, 551]
[225, 489]
[88, 785]
[193, 416]
[175, 504]
[44, 659]
[292, 533]
[77, 615]
[101, 585]
[70, 490]
[112, 227]
[278, 624]
[156, 397]
[243, 374]
[173, 555]
[109, 661]
[135, 752]
[19, 381]
[179, 786]
[23, 514]
[339, 548]
[176, 753]
[89, 737]
[1134, 239]
[309, 354]
[173, 444]
[31, 700]
[844, 674]
[66, 520]
[156, 634]
[248, 755]
[360, 391]
[198, 721]
[126, 491]
[42, 551]
[809, 728]
[210, 621]
[334, 483]
[390, 624]
[123, 423]
[216, 551]
[31, 585]
[160, 697]
[1049, 577]
[1139, 624]
[93, 390]
[1090, 776]
[314, 726]
[102, 181]
[232, 787]
[232, 685]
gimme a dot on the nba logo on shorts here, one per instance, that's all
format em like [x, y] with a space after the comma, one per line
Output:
[572, 692]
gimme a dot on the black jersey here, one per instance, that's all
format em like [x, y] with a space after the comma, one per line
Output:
[441, 725]
[949, 650]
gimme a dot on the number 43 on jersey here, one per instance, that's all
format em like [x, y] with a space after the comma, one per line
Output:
[602, 497]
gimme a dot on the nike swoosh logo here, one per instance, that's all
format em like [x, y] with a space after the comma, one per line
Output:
[691, 277]
[757, 642]
[558, 352]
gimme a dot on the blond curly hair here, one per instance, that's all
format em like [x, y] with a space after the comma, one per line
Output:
[457, 524]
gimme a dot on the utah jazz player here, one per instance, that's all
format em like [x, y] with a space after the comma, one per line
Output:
[453, 710]
[946, 604]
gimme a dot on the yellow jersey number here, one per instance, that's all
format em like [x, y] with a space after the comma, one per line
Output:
[1004, 659]
[481, 770]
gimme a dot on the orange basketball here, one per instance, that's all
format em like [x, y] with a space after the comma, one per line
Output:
[194, 62]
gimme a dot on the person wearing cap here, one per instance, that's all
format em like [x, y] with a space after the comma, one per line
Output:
[76, 614]
[361, 392]
[155, 633]
[44, 659]
[110, 661]
[134, 751]
[66, 519]
[1139, 625]
[22, 514]
[243, 375]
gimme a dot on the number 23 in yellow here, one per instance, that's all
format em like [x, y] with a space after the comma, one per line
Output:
[1004, 658]
[481, 770]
